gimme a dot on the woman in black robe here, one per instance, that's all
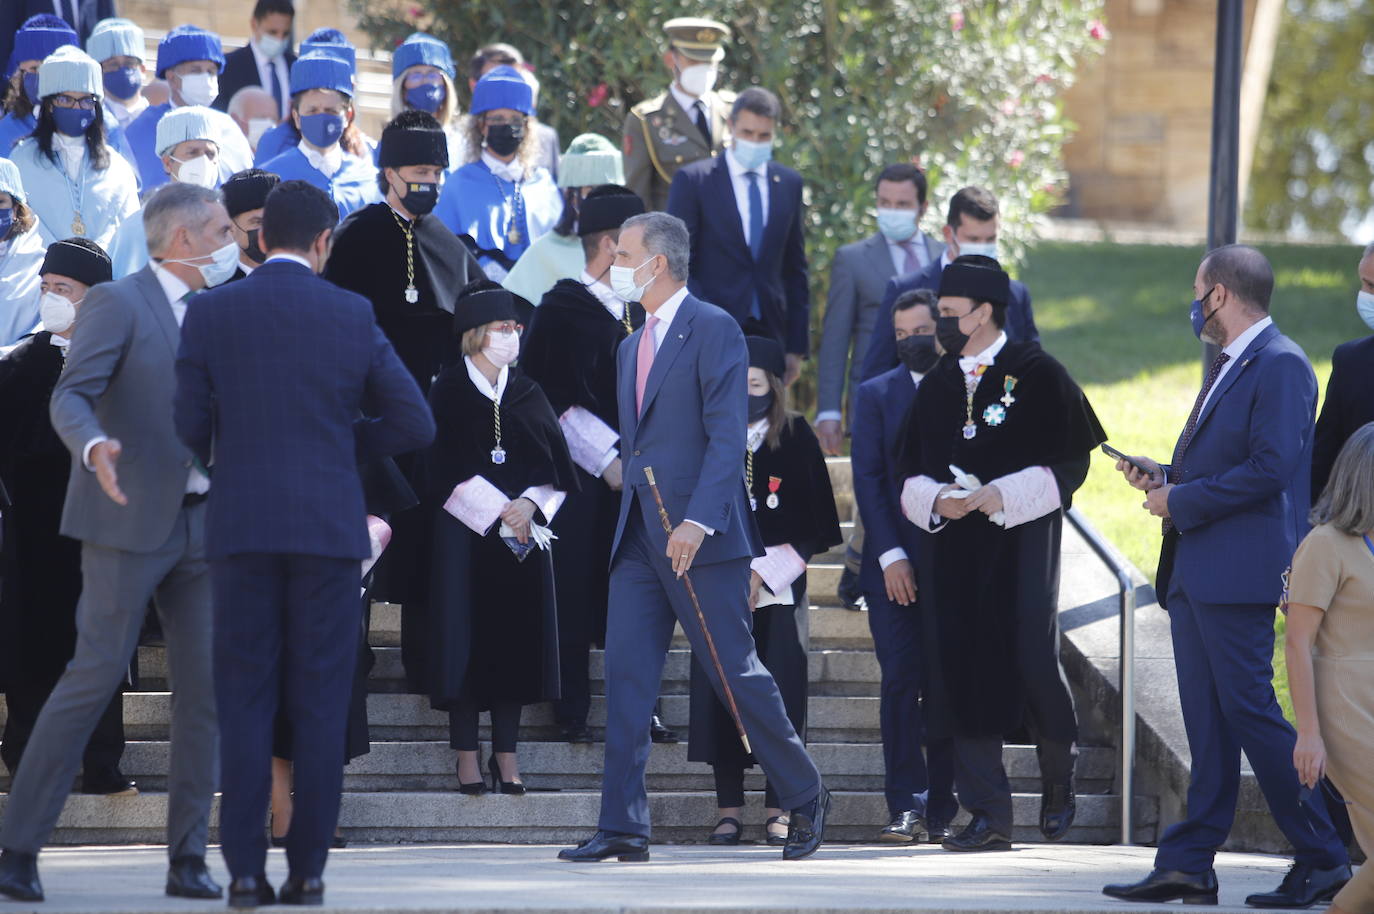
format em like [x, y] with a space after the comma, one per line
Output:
[794, 506]
[491, 632]
[40, 568]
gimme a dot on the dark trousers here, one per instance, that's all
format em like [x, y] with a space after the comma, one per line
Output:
[911, 780]
[574, 670]
[730, 788]
[1223, 655]
[505, 726]
[104, 748]
[285, 632]
[646, 601]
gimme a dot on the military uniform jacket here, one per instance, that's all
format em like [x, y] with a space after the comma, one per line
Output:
[660, 138]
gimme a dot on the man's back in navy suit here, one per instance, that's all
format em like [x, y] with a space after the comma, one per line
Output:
[1348, 405]
[725, 271]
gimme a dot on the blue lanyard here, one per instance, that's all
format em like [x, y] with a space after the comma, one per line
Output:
[1368, 544]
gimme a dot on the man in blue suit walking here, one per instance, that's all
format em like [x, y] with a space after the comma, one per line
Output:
[683, 396]
[971, 227]
[744, 214]
[919, 788]
[1234, 503]
[272, 376]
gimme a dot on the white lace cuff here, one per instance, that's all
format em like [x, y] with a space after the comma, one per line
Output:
[918, 502]
[1028, 495]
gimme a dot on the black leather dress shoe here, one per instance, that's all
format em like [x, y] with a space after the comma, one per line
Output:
[937, 831]
[978, 835]
[1304, 886]
[726, 838]
[19, 876]
[108, 784]
[188, 877]
[1168, 885]
[302, 890]
[251, 892]
[907, 827]
[577, 734]
[606, 844]
[806, 828]
[849, 591]
[1057, 810]
[660, 732]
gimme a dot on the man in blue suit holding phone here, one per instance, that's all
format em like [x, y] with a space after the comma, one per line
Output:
[1234, 503]
[272, 376]
[682, 396]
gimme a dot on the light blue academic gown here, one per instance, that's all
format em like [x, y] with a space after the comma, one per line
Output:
[20, 259]
[129, 250]
[12, 130]
[352, 187]
[109, 196]
[476, 203]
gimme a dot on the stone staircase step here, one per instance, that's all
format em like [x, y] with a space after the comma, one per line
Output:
[409, 717]
[429, 765]
[832, 672]
[548, 817]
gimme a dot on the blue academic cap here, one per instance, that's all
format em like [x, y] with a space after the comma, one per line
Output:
[38, 37]
[318, 70]
[188, 42]
[333, 43]
[503, 87]
[421, 48]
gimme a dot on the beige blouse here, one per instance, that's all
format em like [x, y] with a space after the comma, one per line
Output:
[1334, 571]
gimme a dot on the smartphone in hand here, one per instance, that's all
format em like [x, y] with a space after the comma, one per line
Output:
[1117, 455]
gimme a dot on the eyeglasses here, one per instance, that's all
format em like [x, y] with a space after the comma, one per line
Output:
[498, 120]
[66, 101]
[508, 327]
[417, 78]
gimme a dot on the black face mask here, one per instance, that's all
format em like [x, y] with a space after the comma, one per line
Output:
[759, 405]
[254, 250]
[918, 353]
[504, 139]
[952, 339]
[420, 199]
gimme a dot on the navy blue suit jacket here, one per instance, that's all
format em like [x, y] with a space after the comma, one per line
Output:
[882, 347]
[241, 69]
[691, 432]
[272, 376]
[1241, 507]
[16, 12]
[724, 272]
[880, 408]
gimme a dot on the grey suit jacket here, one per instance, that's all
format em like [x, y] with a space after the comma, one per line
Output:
[119, 382]
[858, 278]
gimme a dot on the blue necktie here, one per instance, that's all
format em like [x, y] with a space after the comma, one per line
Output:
[276, 84]
[755, 231]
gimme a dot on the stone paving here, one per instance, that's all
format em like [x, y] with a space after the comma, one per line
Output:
[496, 878]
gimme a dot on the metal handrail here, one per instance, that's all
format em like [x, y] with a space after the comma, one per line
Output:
[1126, 669]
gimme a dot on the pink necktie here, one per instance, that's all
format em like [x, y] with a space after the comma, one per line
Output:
[644, 361]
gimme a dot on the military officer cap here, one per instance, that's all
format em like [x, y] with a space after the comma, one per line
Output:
[698, 39]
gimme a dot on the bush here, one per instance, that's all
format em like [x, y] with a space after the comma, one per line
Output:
[968, 91]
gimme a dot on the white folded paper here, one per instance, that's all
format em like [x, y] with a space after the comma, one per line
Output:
[779, 566]
[590, 441]
[477, 503]
[970, 483]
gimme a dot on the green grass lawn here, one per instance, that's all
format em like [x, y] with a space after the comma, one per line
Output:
[1117, 317]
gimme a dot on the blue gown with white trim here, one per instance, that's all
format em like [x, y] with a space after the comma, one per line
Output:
[352, 187]
[476, 203]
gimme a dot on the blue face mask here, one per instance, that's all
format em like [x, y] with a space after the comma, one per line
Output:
[6, 222]
[1364, 305]
[123, 83]
[72, 121]
[31, 88]
[322, 130]
[1197, 313]
[897, 224]
[752, 155]
[429, 97]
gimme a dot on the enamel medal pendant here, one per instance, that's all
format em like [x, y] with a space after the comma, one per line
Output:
[412, 295]
[514, 235]
[970, 430]
[995, 414]
[498, 455]
[774, 483]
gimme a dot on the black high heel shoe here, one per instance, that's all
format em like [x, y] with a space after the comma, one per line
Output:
[511, 787]
[475, 789]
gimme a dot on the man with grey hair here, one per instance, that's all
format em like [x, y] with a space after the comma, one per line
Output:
[1234, 502]
[141, 524]
[255, 111]
[682, 393]
[1348, 404]
[744, 213]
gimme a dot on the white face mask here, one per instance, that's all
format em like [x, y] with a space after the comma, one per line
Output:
[57, 312]
[257, 126]
[199, 88]
[503, 347]
[1364, 305]
[199, 171]
[270, 46]
[623, 282]
[978, 249]
[224, 261]
[697, 79]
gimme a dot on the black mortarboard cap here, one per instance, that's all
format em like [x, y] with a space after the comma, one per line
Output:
[80, 259]
[765, 353]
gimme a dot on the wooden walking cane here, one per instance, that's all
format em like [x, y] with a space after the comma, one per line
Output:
[701, 618]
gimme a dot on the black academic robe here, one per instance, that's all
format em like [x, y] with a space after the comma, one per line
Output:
[490, 629]
[369, 257]
[41, 569]
[569, 351]
[976, 578]
[805, 517]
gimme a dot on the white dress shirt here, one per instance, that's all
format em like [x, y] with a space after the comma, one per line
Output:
[327, 162]
[511, 171]
[920, 242]
[665, 314]
[1234, 349]
[897, 553]
[278, 63]
[125, 114]
[604, 294]
[740, 183]
[546, 498]
[292, 258]
[197, 483]
[690, 103]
